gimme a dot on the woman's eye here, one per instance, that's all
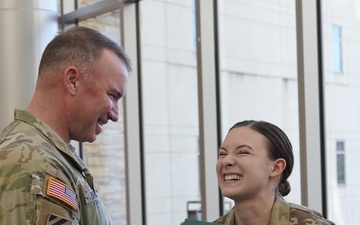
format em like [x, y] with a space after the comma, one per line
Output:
[222, 154]
[243, 152]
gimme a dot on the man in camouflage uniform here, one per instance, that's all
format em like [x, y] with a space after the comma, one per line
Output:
[82, 76]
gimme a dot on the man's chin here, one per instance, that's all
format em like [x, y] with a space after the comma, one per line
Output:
[89, 139]
[92, 139]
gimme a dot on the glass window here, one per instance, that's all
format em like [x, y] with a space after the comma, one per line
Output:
[258, 66]
[342, 109]
[105, 157]
[340, 159]
[336, 48]
[66, 6]
[170, 111]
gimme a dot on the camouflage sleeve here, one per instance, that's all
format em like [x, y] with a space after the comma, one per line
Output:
[32, 203]
[28, 194]
[302, 215]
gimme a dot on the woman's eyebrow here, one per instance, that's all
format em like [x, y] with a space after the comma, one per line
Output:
[244, 146]
[238, 147]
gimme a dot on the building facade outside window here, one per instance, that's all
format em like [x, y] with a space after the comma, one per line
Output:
[341, 55]
[170, 111]
[258, 69]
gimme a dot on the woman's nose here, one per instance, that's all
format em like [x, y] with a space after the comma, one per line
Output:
[228, 161]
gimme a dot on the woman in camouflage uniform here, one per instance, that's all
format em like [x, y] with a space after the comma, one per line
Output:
[254, 163]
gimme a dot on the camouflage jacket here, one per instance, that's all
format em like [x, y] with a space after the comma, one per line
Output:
[42, 180]
[284, 213]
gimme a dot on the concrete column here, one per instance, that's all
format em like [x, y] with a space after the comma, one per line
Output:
[26, 26]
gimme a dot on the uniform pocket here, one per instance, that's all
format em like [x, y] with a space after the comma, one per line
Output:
[48, 212]
[89, 196]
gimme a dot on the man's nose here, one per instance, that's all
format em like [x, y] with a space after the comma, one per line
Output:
[114, 112]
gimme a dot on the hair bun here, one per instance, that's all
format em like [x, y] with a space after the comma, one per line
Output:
[284, 188]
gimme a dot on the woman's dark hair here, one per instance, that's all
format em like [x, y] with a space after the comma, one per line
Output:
[279, 146]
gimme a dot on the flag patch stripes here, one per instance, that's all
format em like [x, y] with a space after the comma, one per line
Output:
[61, 191]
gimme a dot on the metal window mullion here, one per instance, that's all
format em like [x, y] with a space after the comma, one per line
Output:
[208, 116]
[135, 193]
[90, 11]
[311, 118]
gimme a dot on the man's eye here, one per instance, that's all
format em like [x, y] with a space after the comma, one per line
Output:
[111, 97]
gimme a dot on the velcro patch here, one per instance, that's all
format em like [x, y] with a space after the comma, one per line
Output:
[57, 220]
[61, 191]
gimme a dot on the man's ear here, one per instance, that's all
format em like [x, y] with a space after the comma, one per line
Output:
[71, 79]
[278, 167]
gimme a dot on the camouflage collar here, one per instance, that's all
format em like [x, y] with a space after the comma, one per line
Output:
[51, 135]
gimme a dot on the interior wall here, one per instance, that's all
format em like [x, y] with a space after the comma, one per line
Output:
[26, 27]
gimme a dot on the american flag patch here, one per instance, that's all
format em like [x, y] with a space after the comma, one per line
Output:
[61, 191]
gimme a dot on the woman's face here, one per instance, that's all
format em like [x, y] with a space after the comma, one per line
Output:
[243, 167]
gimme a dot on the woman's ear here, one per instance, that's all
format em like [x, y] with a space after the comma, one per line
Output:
[71, 78]
[278, 167]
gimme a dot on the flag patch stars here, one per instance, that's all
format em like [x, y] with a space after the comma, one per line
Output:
[61, 191]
